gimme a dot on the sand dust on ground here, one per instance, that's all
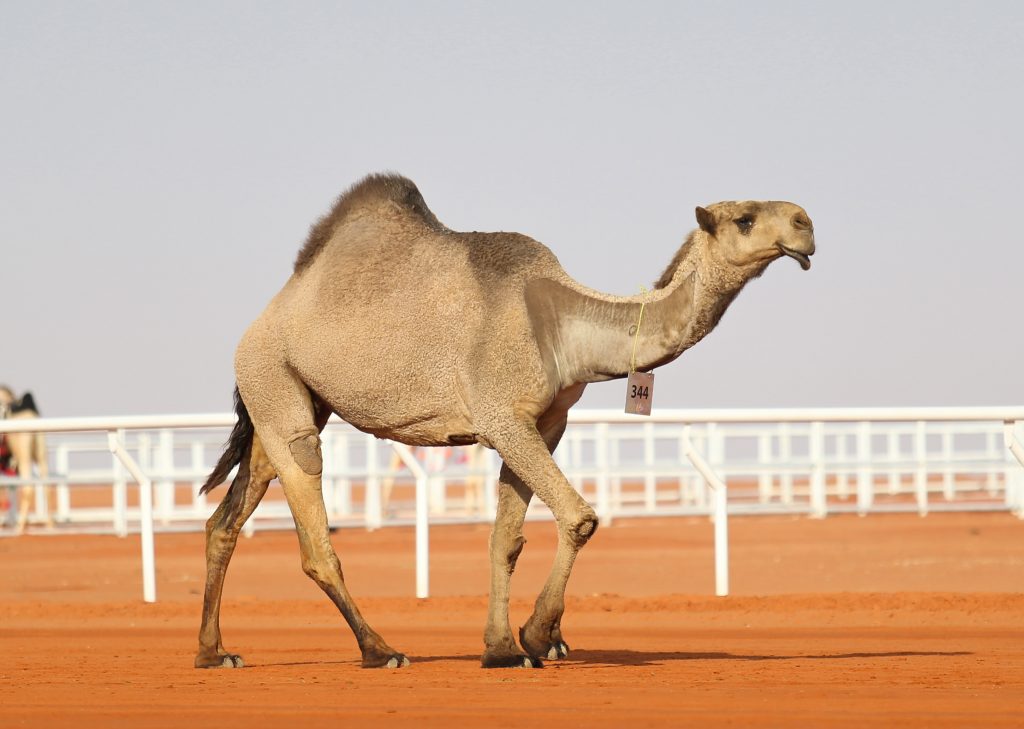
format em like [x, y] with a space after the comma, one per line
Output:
[889, 619]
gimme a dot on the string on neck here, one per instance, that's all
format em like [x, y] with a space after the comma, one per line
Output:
[636, 333]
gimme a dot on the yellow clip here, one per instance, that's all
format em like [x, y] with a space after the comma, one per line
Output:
[636, 334]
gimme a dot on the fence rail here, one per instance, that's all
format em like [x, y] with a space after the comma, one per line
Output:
[676, 462]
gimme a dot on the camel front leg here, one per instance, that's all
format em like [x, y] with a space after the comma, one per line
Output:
[529, 457]
[506, 543]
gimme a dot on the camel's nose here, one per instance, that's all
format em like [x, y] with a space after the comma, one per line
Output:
[802, 222]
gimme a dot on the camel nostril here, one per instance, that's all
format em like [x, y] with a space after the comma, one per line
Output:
[801, 222]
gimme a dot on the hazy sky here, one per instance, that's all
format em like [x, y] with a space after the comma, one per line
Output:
[160, 165]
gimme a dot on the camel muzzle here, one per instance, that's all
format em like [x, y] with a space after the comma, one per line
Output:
[802, 258]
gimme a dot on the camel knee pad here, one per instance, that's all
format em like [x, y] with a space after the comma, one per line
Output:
[582, 529]
[513, 553]
[306, 452]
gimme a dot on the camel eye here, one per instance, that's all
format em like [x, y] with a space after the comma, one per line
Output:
[744, 224]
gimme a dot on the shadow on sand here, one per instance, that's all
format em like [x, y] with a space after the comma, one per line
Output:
[650, 658]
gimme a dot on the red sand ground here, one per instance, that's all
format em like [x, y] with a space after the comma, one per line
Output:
[895, 620]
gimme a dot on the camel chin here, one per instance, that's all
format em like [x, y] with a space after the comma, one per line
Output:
[801, 258]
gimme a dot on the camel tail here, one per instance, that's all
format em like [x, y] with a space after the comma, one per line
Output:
[234, 450]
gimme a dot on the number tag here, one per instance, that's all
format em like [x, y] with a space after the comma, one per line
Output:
[639, 393]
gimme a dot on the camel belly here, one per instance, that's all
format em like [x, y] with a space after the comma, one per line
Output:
[412, 429]
[391, 403]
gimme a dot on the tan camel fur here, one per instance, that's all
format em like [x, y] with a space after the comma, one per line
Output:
[27, 449]
[427, 336]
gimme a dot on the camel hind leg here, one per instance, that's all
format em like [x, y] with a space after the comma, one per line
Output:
[283, 413]
[222, 529]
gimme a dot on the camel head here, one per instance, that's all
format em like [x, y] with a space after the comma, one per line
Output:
[753, 232]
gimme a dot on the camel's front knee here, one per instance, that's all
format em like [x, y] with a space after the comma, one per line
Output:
[305, 451]
[580, 527]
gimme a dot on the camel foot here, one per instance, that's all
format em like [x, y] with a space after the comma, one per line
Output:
[219, 660]
[509, 660]
[558, 650]
[385, 660]
[552, 648]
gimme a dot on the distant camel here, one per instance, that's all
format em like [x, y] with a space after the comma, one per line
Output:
[427, 336]
[26, 449]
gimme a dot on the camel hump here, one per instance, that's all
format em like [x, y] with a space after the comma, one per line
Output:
[367, 193]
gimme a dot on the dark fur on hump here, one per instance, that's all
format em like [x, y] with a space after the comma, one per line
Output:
[684, 250]
[370, 189]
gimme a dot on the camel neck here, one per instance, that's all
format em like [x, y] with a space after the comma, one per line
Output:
[597, 340]
[716, 282]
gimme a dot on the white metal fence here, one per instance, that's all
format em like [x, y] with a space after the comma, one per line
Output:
[814, 462]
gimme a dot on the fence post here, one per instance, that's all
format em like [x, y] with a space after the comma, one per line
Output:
[720, 513]
[613, 447]
[604, 512]
[115, 440]
[650, 482]
[120, 494]
[786, 459]
[422, 518]
[921, 468]
[819, 506]
[764, 461]
[991, 478]
[841, 464]
[948, 487]
[371, 498]
[1014, 496]
[166, 485]
[63, 492]
[893, 441]
[865, 475]
[684, 484]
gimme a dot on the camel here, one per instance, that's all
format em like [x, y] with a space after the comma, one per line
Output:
[431, 337]
[27, 449]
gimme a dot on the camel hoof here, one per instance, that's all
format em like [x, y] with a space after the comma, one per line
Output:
[549, 646]
[510, 661]
[390, 660]
[559, 650]
[228, 660]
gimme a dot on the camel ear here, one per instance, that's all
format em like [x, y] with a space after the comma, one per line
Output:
[706, 220]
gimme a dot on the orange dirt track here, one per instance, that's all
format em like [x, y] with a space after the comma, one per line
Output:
[889, 620]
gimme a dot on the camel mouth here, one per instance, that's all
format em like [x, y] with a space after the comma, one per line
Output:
[802, 258]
